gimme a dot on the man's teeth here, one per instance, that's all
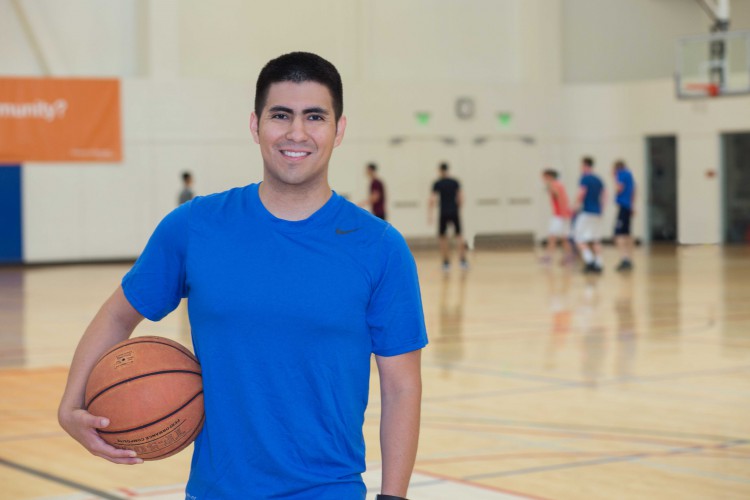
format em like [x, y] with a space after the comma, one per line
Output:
[295, 154]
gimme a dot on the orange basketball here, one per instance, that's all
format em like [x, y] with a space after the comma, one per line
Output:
[151, 390]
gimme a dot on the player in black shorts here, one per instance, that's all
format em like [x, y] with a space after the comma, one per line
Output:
[448, 190]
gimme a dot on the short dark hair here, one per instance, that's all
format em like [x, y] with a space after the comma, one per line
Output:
[372, 167]
[588, 161]
[186, 176]
[620, 165]
[444, 167]
[299, 67]
[551, 172]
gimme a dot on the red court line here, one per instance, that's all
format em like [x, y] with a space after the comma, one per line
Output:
[479, 485]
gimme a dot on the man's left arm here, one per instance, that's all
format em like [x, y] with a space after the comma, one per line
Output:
[401, 396]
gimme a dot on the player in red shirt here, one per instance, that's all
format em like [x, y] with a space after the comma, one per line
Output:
[376, 200]
[559, 224]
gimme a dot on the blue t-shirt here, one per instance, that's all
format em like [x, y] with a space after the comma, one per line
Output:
[285, 316]
[594, 187]
[625, 197]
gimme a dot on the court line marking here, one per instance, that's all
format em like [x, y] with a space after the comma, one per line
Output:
[57, 479]
[568, 385]
[468, 482]
[602, 461]
[470, 418]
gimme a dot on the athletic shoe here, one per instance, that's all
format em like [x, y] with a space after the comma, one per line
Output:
[589, 268]
[545, 260]
[464, 265]
[592, 268]
[446, 266]
[625, 265]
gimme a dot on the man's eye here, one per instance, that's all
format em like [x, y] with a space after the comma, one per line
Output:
[316, 118]
[278, 116]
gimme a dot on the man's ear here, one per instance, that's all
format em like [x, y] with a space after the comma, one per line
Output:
[340, 129]
[254, 127]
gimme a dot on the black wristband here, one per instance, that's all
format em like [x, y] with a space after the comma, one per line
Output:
[389, 497]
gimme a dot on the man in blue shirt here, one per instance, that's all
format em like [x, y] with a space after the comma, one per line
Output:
[624, 199]
[291, 289]
[587, 229]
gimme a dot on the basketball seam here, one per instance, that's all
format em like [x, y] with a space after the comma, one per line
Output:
[184, 445]
[153, 422]
[139, 340]
[136, 378]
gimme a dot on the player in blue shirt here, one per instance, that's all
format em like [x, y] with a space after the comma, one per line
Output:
[625, 200]
[587, 229]
[291, 290]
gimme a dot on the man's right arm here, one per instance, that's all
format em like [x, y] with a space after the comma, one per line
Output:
[431, 206]
[114, 323]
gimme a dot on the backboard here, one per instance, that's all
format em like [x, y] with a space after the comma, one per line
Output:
[713, 65]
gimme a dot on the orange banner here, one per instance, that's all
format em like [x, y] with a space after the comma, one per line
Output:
[59, 119]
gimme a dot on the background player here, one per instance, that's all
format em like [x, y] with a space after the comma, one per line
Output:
[559, 224]
[376, 200]
[187, 188]
[448, 190]
[587, 228]
[291, 290]
[625, 199]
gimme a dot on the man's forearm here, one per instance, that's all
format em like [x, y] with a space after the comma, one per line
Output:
[399, 437]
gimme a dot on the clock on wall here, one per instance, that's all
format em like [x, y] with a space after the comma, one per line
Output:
[465, 108]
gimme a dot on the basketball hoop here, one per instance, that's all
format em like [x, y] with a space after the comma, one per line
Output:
[710, 89]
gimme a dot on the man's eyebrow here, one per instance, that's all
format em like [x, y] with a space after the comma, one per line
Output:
[282, 109]
[315, 110]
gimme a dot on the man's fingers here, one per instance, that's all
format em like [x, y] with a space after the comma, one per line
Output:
[116, 455]
[120, 460]
[89, 420]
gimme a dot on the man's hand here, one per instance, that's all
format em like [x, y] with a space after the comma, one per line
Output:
[82, 425]
[114, 323]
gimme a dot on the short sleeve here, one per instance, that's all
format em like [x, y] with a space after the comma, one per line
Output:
[157, 281]
[395, 314]
[435, 188]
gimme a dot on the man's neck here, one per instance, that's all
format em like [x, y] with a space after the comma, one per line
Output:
[293, 203]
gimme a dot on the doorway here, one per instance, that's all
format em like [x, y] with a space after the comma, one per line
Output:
[661, 158]
[736, 161]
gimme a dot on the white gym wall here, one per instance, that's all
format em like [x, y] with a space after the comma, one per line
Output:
[188, 69]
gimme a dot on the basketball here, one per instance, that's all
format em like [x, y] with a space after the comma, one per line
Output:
[151, 390]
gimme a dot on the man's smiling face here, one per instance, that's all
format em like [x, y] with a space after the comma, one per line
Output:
[297, 132]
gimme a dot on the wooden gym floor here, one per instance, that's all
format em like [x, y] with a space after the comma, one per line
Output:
[539, 383]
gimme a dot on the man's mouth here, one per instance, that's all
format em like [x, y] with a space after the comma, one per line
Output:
[295, 154]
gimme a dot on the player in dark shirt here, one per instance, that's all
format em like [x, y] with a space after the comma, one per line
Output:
[376, 200]
[448, 190]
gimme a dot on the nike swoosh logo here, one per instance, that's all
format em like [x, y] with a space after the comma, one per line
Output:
[346, 231]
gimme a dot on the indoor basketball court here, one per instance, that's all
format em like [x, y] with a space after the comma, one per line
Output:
[540, 380]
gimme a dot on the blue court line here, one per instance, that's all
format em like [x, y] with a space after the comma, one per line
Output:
[586, 463]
